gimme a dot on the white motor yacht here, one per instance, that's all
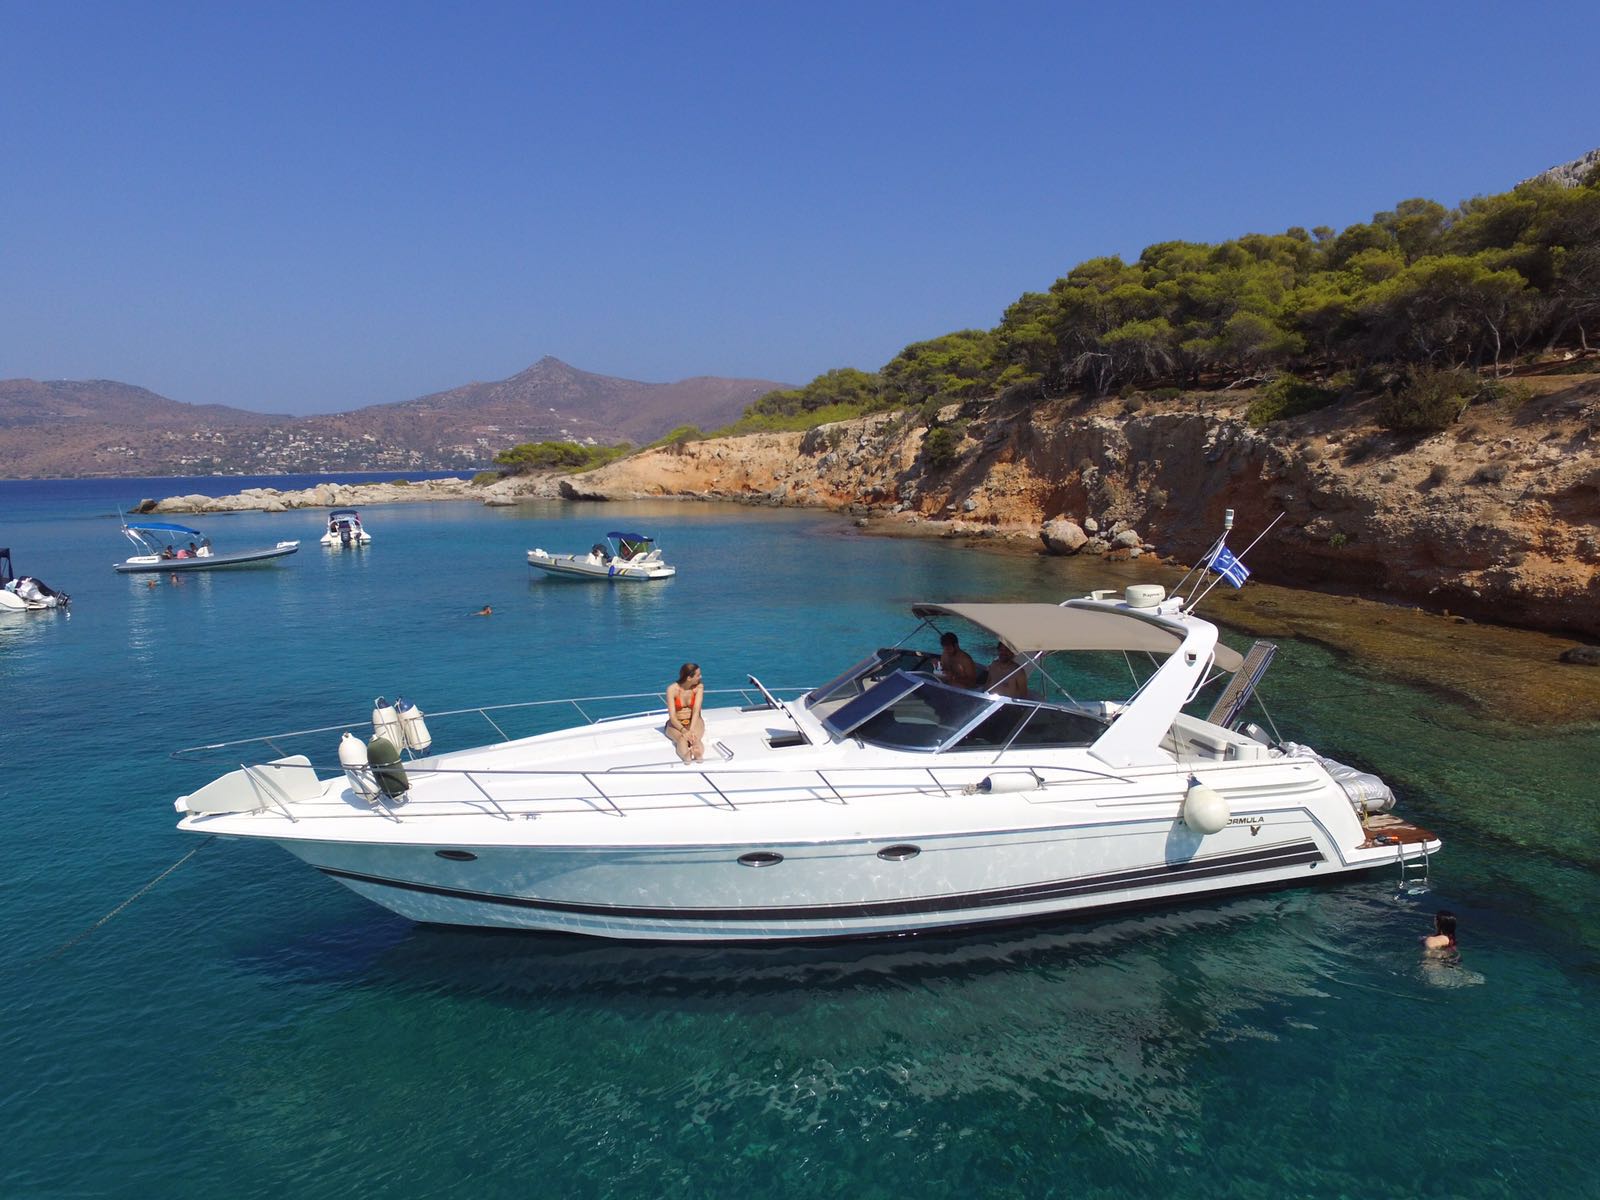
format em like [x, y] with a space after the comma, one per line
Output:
[888, 801]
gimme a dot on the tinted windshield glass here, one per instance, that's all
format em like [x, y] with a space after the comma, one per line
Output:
[1019, 725]
[871, 669]
[877, 697]
[923, 719]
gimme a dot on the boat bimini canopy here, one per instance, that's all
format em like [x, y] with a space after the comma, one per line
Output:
[158, 527]
[1040, 628]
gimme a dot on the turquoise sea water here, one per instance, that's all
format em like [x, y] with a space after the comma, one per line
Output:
[250, 1028]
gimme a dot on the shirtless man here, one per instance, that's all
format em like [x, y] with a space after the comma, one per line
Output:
[956, 664]
[1005, 676]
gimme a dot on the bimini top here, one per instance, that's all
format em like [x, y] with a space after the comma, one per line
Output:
[343, 512]
[157, 527]
[630, 537]
[1029, 628]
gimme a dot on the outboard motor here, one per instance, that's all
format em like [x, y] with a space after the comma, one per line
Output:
[345, 536]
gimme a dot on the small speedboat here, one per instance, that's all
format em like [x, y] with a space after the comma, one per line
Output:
[622, 556]
[902, 797]
[163, 548]
[344, 529]
[24, 593]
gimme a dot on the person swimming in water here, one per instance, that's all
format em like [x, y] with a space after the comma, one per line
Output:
[1443, 937]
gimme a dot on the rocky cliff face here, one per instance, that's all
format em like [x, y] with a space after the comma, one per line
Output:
[1497, 518]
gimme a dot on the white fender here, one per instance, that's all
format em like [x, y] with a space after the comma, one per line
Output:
[1204, 810]
[353, 758]
[1009, 781]
[418, 739]
[386, 723]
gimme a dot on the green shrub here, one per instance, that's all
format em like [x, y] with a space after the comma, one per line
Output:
[1506, 394]
[483, 478]
[941, 448]
[1287, 396]
[1428, 400]
[557, 456]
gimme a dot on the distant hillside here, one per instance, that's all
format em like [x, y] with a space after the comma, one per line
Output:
[101, 427]
[638, 412]
[25, 402]
[1570, 174]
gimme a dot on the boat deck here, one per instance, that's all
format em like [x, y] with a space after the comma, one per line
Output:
[1384, 829]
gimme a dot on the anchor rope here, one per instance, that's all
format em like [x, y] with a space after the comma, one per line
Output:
[75, 939]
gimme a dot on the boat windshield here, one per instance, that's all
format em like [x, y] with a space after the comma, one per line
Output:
[869, 671]
[910, 712]
[1019, 723]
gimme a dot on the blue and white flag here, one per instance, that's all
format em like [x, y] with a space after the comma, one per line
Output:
[1230, 568]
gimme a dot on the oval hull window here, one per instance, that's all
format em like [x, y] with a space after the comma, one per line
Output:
[760, 858]
[898, 853]
[457, 855]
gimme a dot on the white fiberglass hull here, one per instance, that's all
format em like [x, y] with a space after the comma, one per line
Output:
[11, 602]
[706, 894]
[569, 566]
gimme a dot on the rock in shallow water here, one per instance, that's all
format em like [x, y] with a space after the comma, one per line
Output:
[1583, 656]
[1062, 536]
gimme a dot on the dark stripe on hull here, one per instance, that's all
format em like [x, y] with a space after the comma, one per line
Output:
[1221, 865]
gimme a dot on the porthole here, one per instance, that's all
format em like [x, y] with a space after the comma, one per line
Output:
[899, 853]
[760, 858]
[457, 855]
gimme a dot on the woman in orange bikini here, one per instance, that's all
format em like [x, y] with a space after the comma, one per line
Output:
[684, 724]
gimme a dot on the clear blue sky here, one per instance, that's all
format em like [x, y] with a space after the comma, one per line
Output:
[308, 207]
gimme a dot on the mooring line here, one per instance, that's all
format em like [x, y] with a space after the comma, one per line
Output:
[73, 941]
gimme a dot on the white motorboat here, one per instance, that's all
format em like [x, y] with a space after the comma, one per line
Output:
[885, 802]
[621, 558]
[162, 548]
[345, 531]
[24, 593]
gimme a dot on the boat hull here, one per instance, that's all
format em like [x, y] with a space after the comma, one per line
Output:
[859, 888]
[566, 566]
[147, 564]
[11, 602]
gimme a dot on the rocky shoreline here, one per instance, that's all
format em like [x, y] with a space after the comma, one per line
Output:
[354, 495]
[1497, 519]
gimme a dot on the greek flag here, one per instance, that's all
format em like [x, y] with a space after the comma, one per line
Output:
[1230, 568]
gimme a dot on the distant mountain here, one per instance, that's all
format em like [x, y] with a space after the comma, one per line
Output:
[100, 427]
[25, 402]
